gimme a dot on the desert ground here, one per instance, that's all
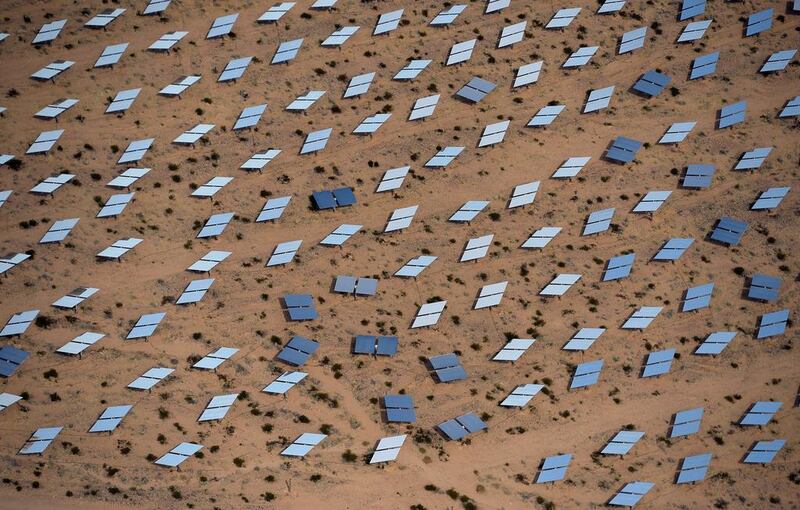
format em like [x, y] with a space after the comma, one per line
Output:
[240, 465]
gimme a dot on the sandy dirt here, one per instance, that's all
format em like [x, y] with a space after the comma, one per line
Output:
[241, 466]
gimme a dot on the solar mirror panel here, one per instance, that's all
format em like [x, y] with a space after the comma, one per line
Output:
[715, 343]
[554, 468]
[423, 107]
[39, 441]
[514, 349]
[222, 26]
[512, 34]
[494, 133]
[658, 363]
[652, 83]
[123, 100]
[19, 323]
[250, 116]
[598, 221]
[215, 225]
[80, 343]
[673, 248]
[111, 55]
[115, 205]
[210, 188]
[691, 8]
[104, 18]
[622, 442]
[145, 326]
[287, 51]
[619, 267]
[632, 40]
[611, 6]
[276, 12]
[697, 297]
[631, 494]
[387, 22]
[400, 219]
[111, 418]
[59, 231]
[571, 167]
[273, 209]
[284, 383]
[686, 423]
[698, 176]
[778, 61]
[769, 199]
[45, 141]
[214, 359]
[583, 339]
[563, 17]
[155, 7]
[209, 261]
[52, 111]
[763, 452]
[4, 195]
[521, 395]
[490, 295]
[728, 231]
[193, 135]
[399, 409]
[428, 314]
[303, 444]
[527, 74]
[150, 378]
[10, 360]
[75, 298]
[388, 449]
[753, 159]
[732, 114]
[119, 248]
[371, 124]
[178, 455]
[7, 400]
[546, 115]
[677, 132]
[623, 150]
[448, 15]
[770, 324]
[340, 234]
[340, 36]
[411, 70]
[167, 41]
[586, 374]
[461, 52]
[304, 102]
[323, 4]
[375, 345]
[764, 287]
[179, 86]
[284, 253]
[475, 90]
[523, 194]
[468, 211]
[51, 184]
[598, 99]
[136, 151]
[444, 157]
[792, 108]
[49, 32]
[476, 248]
[642, 317]
[496, 5]
[560, 284]
[652, 201]
[694, 31]
[760, 413]
[461, 427]
[300, 307]
[415, 266]
[234, 69]
[316, 141]
[260, 159]
[218, 407]
[195, 291]
[693, 468]
[392, 179]
[758, 22]
[50, 71]
[580, 57]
